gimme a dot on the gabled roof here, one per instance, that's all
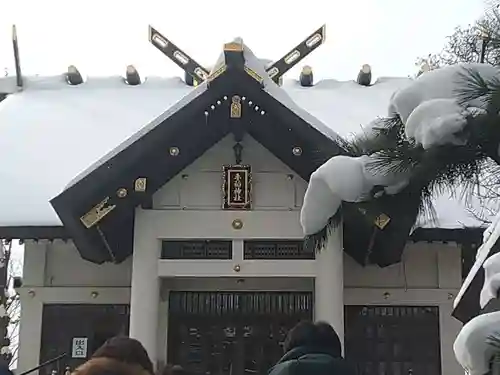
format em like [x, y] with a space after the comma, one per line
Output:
[192, 125]
[70, 128]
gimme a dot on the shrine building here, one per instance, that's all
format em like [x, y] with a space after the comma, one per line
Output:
[168, 209]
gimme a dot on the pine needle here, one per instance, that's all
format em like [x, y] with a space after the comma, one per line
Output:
[318, 240]
[434, 171]
[474, 87]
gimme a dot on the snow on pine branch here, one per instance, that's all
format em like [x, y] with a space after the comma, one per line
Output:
[432, 115]
[342, 178]
[429, 108]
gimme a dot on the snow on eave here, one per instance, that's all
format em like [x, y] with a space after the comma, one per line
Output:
[58, 82]
[332, 84]
[482, 254]
[196, 92]
[280, 95]
[385, 79]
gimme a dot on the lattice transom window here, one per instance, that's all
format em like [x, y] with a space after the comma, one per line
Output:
[283, 249]
[202, 249]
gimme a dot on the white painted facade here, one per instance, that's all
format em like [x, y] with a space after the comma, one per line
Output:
[188, 207]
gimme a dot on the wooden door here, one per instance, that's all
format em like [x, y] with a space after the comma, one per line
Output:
[62, 323]
[393, 340]
[232, 333]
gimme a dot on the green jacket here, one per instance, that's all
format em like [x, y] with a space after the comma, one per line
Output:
[311, 361]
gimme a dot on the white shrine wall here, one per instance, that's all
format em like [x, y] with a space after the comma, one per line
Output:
[188, 207]
[274, 186]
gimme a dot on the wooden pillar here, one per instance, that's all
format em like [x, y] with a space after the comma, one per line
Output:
[329, 283]
[145, 294]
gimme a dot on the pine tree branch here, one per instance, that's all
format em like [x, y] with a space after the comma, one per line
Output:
[474, 87]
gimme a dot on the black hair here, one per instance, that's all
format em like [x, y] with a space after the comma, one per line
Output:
[126, 350]
[303, 334]
[319, 335]
[328, 338]
[108, 366]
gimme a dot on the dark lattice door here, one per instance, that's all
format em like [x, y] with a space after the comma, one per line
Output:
[62, 323]
[393, 340]
[232, 333]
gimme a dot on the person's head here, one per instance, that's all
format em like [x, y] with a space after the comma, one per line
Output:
[127, 350]
[108, 366]
[327, 338]
[303, 334]
[319, 335]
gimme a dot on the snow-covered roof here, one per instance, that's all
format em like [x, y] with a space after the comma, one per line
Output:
[52, 132]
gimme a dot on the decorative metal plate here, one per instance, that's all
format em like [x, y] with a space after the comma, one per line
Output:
[236, 187]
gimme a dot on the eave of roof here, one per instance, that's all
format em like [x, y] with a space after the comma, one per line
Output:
[53, 232]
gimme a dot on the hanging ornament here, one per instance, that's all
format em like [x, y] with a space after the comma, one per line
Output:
[235, 107]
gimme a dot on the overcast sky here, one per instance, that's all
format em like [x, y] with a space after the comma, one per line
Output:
[101, 37]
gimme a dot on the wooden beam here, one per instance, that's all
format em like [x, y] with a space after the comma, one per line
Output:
[297, 54]
[17, 61]
[178, 56]
[34, 233]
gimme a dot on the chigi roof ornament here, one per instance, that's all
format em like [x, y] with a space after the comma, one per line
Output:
[178, 56]
[233, 52]
[297, 54]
